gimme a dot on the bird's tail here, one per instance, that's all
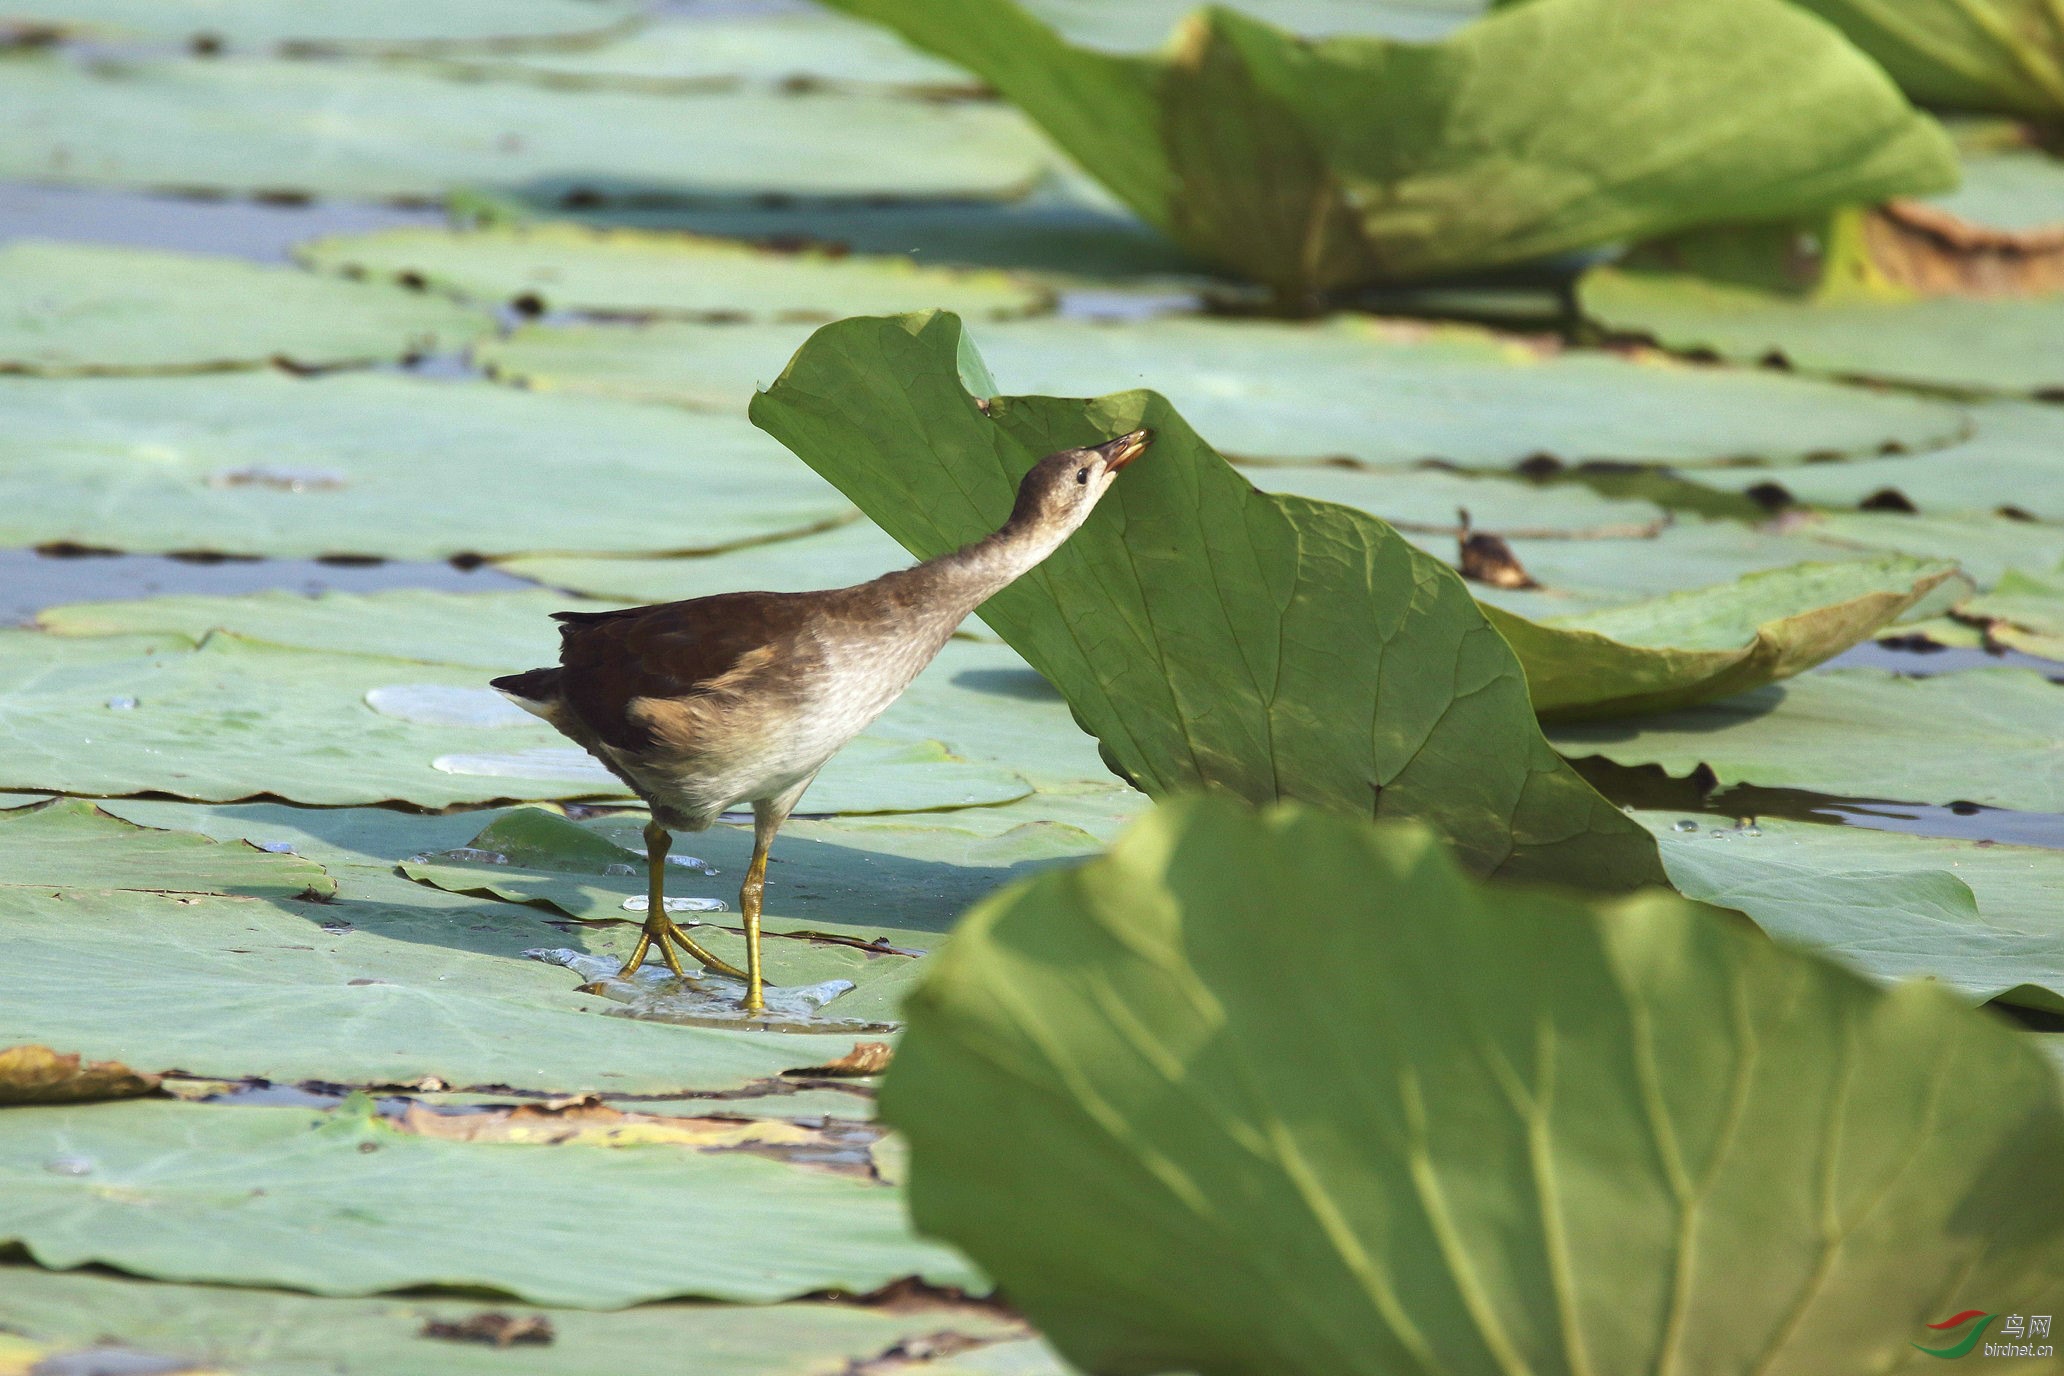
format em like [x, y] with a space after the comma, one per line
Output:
[534, 690]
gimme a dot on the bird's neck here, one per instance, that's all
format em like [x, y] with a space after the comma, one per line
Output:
[959, 582]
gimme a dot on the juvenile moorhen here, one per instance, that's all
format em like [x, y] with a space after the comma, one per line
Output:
[703, 705]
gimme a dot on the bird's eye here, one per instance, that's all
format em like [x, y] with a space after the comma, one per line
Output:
[1082, 475]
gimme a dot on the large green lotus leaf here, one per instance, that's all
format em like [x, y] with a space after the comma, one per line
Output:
[278, 1333]
[83, 308]
[71, 844]
[2009, 464]
[486, 630]
[1984, 546]
[383, 132]
[341, 1204]
[1380, 392]
[902, 885]
[1311, 166]
[378, 464]
[1987, 736]
[1691, 647]
[2005, 55]
[1210, 635]
[241, 718]
[633, 272]
[1986, 920]
[408, 984]
[1491, 1128]
[376, 25]
[2023, 612]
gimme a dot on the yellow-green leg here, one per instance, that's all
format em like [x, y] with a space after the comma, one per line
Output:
[664, 930]
[765, 823]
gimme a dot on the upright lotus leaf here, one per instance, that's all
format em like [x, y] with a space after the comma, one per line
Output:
[341, 1203]
[633, 272]
[1691, 647]
[1904, 293]
[1987, 736]
[1413, 1123]
[1551, 126]
[2005, 55]
[1380, 391]
[79, 308]
[1210, 635]
[71, 844]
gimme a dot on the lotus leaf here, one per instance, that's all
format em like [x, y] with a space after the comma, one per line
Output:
[342, 1204]
[2005, 55]
[846, 554]
[1983, 546]
[1980, 918]
[1485, 1130]
[353, 991]
[278, 1333]
[2008, 465]
[2023, 612]
[633, 272]
[1208, 634]
[360, 25]
[366, 132]
[1986, 736]
[1425, 502]
[1379, 392]
[1692, 647]
[77, 308]
[1826, 296]
[71, 844]
[241, 718]
[376, 464]
[1316, 165]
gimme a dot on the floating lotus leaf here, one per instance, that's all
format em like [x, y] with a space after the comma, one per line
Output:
[846, 554]
[241, 718]
[388, 132]
[1983, 546]
[1987, 736]
[2023, 612]
[2005, 55]
[283, 1334]
[355, 25]
[1379, 392]
[342, 1204]
[1491, 1128]
[1692, 647]
[632, 272]
[1981, 918]
[377, 464]
[1312, 166]
[1425, 502]
[1208, 634]
[71, 844]
[2009, 465]
[77, 308]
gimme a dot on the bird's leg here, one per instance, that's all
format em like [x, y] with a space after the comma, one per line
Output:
[765, 823]
[659, 928]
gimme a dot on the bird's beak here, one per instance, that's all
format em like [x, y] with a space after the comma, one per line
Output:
[1123, 450]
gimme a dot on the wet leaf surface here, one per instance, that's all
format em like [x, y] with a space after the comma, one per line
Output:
[1315, 166]
[1380, 392]
[390, 132]
[1697, 646]
[636, 273]
[1539, 1093]
[1987, 736]
[339, 1203]
[1208, 634]
[76, 308]
[384, 465]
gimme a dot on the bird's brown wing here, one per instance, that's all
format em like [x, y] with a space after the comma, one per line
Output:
[673, 650]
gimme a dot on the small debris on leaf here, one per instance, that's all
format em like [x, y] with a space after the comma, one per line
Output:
[866, 1058]
[493, 1327]
[1489, 560]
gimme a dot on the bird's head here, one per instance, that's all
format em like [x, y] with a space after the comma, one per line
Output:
[1060, 491]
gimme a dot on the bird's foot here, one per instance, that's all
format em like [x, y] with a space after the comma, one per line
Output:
[662, 931]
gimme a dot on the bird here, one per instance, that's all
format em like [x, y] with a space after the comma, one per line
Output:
[703, 706]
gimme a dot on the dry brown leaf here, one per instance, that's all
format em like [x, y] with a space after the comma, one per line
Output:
[494, 1328]
[866, 1058]
[1487, 559]
[1928, 250]
[589, 1122]
[31, 1074]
